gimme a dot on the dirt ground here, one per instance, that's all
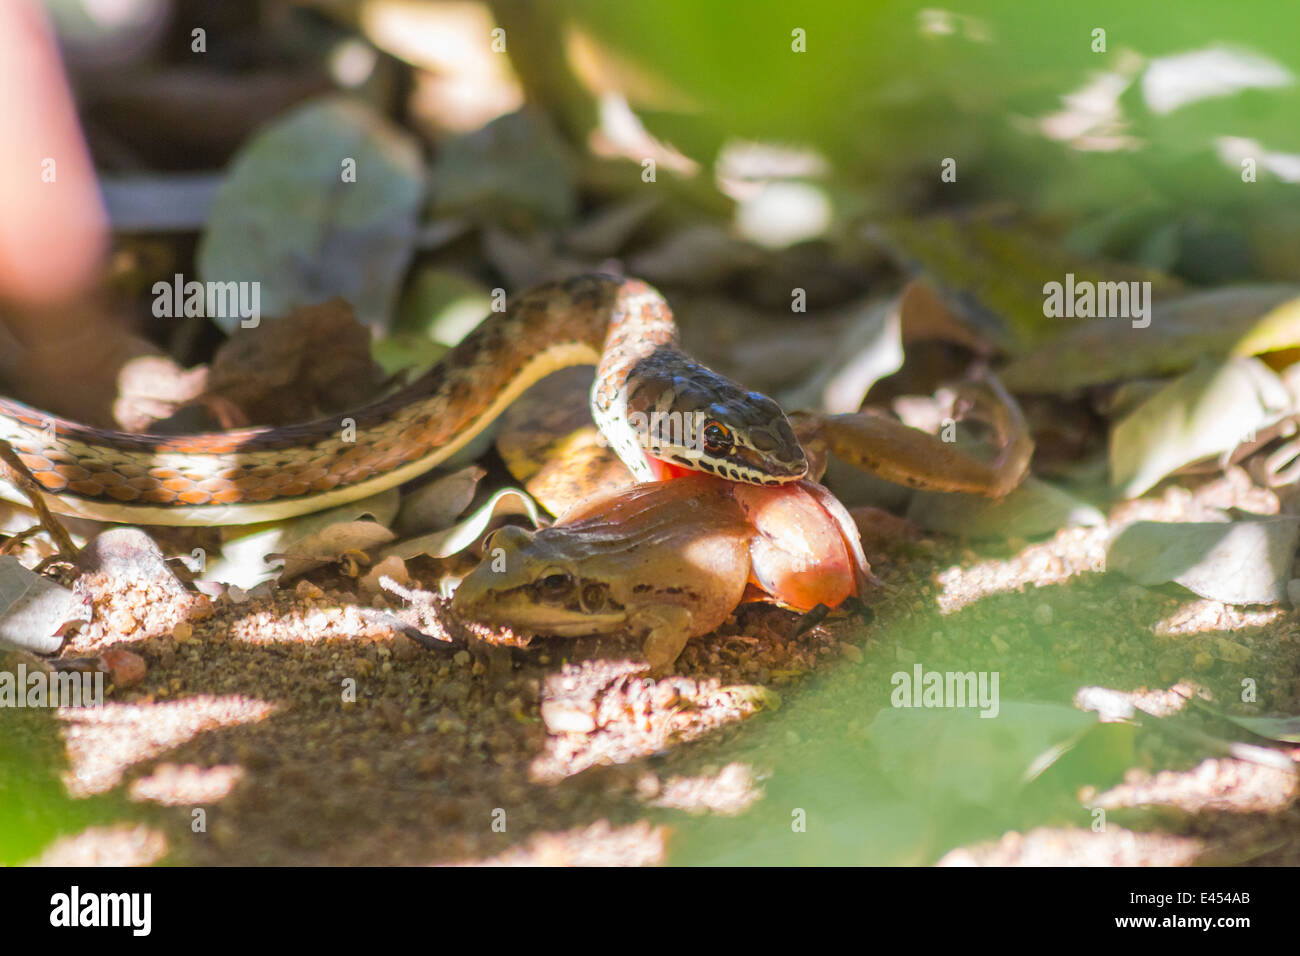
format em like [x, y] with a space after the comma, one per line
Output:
[563, 752]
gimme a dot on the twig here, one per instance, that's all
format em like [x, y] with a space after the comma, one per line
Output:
[22, 479]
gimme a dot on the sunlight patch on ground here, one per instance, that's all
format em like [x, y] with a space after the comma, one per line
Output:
[189, 785]
[731, 790]
[317, 625]
[1037, 565]
[597, 845]
[118, 845]
[1048, 846]
[1199, 616]
[104, 742]
[1232, 786]
[608, 712]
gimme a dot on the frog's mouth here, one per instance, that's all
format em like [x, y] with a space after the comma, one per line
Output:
[522, 609]
[565, 622]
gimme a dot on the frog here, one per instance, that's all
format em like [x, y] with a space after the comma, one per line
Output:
[668, 561]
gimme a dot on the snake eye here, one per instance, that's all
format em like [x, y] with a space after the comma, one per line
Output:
[555, 583]
[717, 438]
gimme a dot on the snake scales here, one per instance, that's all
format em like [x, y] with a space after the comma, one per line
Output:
[623, 326]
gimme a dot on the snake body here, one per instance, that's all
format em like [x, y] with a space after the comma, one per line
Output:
[622, 326]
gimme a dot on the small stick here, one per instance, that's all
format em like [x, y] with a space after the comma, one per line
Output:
[22, 479]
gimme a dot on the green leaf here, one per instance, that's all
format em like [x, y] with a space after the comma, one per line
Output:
[453, 540]
[34, 611]
[309, 540]
[433, 507]
[1032, 509]
[993, 275]
[1182, 331]
[1286, 729]
[1279, 329]
[514, 171]
[954, 756]
[289, 218]
[981, 82]
[1236, 562]
[444, 306]
[1209, 410]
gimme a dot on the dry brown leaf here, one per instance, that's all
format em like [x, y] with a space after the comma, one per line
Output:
[313, 362]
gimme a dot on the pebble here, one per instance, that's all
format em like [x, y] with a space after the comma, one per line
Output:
[391, 713]
[391, 567]
[451, 724]
[565, 717]
[1043, 615]
[455, 693]
[182, 632]
[128, 668]
[305, 589]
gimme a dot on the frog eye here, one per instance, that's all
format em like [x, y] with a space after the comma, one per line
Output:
[556, 582]
[717, 438]
[593, 597]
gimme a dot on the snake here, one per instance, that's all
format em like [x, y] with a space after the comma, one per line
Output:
[661, 411]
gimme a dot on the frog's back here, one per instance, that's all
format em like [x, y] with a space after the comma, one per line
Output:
[681, 541]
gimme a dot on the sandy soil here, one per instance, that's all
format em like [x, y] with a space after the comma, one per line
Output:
[485, 751]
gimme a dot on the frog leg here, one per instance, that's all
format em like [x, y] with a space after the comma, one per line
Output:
[669, 626]
[908, 456]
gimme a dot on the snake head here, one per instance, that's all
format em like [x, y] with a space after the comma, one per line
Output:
[750, 440]
[689, 416]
